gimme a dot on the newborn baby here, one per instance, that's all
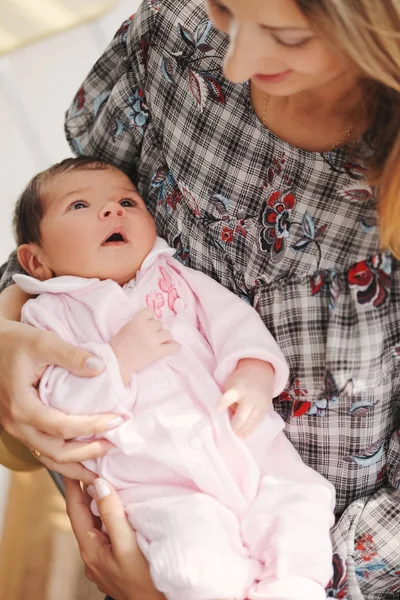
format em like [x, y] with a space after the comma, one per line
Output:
[222, 504]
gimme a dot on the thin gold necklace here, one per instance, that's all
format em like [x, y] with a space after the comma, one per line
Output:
[347, 133]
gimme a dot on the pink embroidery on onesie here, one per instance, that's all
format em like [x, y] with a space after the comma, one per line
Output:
[155, 301]
[165, 284]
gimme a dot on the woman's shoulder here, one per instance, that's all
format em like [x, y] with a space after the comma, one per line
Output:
[178, 10]
[166, 22]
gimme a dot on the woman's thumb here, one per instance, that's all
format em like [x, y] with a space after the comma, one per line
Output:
[74, 359]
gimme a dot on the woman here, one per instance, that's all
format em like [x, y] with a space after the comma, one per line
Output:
[262, 185]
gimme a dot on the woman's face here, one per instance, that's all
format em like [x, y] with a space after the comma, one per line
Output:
[272, 44]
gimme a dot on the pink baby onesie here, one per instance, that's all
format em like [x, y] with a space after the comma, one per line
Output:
[216, 516]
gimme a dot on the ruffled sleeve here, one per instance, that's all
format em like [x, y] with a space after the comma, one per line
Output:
[109, 113]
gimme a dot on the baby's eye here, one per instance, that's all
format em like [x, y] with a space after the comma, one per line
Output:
[128, 202]
[78, 205]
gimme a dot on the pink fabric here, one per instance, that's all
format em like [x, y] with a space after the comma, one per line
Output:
[216, 517]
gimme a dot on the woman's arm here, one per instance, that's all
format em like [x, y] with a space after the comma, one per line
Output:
[114, 562]
[14, 455]
[12, 300]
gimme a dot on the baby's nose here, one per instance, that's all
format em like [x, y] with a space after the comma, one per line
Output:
[112, 209]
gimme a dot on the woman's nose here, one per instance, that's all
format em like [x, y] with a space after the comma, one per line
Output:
[112, 209]
[246, 52]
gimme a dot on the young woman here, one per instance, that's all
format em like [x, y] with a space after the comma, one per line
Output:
[266, 143]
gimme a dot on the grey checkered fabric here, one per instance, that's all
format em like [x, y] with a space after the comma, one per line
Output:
[292, 232]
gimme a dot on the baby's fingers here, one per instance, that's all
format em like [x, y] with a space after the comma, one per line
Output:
[168, 348]
[253, 421]
[241, 417]
[228, 399]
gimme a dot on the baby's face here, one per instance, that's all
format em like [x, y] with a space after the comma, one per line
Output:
[95, 225]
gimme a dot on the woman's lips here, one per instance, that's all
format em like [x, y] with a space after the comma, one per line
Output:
[274, 78]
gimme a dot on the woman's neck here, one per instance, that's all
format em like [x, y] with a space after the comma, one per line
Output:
[341, 99]
[316, 120]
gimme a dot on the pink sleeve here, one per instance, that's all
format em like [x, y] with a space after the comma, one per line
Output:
[86, 395]
[234, 329]
[61, 389]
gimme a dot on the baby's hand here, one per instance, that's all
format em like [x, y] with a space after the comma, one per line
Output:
[248, 392]
[141, 342]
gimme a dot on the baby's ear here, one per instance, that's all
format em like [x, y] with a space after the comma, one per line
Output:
[29, 257]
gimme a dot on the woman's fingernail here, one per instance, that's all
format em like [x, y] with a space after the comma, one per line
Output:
[95, 364]
[115, 422]
[102, 488]
[90, 490]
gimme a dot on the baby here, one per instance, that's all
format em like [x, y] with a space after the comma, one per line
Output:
[219, 513]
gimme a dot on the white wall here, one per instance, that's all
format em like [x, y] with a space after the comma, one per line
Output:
[37, 84]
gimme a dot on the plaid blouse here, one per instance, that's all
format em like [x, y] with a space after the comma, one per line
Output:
[292, 232]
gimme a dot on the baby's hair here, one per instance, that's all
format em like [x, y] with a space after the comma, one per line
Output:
[30, 208]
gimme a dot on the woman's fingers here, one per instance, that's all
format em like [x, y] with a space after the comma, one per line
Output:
[82, 520]
[72, 470]
[54, 351]
[89, 574]
[63, 452]
[80, 516]
[112, 514]
[114, 562]
[56, 423]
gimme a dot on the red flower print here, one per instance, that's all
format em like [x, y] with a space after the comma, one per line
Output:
[144, 50]
[79, 100]
[382, 474]
[190, 199]
[301, 406]
[317, 282]
[227, 235]
[240, 228]
[337, 587]
[285, 397]
[365, 546]
[374, 277]
[275, 220]
[125, 26]
[174, 198]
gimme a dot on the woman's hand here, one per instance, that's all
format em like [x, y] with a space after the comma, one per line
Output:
[114, 562]
[25, 353]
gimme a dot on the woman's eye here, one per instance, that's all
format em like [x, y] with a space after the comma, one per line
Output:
[78, 205]
[219, 9]
[292, 44]
[127, 202]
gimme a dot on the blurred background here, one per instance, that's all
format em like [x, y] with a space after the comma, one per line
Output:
[46, 49]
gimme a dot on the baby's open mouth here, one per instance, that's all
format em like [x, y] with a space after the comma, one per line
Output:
[116, 237]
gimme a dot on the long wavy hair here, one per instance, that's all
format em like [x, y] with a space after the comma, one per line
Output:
[368, 33]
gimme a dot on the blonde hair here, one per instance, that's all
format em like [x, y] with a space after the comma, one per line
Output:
[368, 33]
